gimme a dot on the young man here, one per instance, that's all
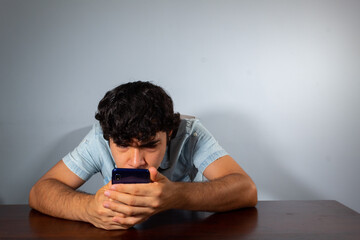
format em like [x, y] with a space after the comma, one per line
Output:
[137, 128]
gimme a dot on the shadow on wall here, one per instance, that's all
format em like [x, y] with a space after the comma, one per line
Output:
[60, 149]
[242, 139]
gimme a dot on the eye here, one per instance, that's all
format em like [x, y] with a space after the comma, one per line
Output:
[150, 147]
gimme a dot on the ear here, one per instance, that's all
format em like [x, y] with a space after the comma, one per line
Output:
[168, 137]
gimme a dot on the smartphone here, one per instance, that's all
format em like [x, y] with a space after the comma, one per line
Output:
[130, 175]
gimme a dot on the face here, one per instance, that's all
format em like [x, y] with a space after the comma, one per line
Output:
[140, 154]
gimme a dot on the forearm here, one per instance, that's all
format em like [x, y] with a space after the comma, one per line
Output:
[223, 194]
[59, 200]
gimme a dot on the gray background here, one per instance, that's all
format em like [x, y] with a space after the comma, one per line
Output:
[276, 82]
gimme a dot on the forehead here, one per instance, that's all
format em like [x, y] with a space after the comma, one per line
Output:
[158, 136]
[136, 142]
[154, 139]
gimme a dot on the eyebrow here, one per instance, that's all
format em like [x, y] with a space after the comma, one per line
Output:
[149, 144]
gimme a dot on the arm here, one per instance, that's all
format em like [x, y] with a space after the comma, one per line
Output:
[55, 194]
[229, 187]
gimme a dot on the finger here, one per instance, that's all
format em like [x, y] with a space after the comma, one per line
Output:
[130, 221]
[112, 225]
[124, 210]
[153, 174]
[128, 199]
[108, 213]
[115, 227]
[105, 212]
[156, 176]
[134, 189]
[109, 206]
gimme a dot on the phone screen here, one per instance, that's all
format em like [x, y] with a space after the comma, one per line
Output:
[130, 175]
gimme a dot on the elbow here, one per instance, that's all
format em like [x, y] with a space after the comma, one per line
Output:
[249, 196]
[32, 197]
[253, 196]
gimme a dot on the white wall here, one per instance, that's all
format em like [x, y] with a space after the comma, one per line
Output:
[277, 82]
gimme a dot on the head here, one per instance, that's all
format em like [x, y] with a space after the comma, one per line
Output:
[137, 119]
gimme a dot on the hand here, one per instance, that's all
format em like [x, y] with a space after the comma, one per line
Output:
[100, 216]
[135, 203]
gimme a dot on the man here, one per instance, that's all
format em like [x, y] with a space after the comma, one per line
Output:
[137, 128]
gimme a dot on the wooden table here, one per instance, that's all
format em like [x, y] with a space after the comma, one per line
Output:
[269, 220]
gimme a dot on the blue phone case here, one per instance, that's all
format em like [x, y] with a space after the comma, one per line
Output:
[130, 175]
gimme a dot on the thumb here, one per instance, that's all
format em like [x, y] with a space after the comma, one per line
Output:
[107, 186]
[155, 176]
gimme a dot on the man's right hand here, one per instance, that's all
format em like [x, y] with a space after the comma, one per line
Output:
[58, 186]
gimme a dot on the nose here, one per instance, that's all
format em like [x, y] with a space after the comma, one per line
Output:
[136, 159]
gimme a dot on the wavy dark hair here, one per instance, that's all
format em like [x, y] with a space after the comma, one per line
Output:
[136, 110]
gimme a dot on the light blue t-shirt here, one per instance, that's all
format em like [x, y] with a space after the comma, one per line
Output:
[187, 155]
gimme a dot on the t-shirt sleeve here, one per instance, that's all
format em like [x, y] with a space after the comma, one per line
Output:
[207, 149]
[82, 160]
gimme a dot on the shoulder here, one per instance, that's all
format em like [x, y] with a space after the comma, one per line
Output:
[191, 135]
[96, 131]
[193, 128]
[189, 127]
[94, 139]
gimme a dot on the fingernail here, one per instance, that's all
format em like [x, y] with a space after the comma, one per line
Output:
[107, 193]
